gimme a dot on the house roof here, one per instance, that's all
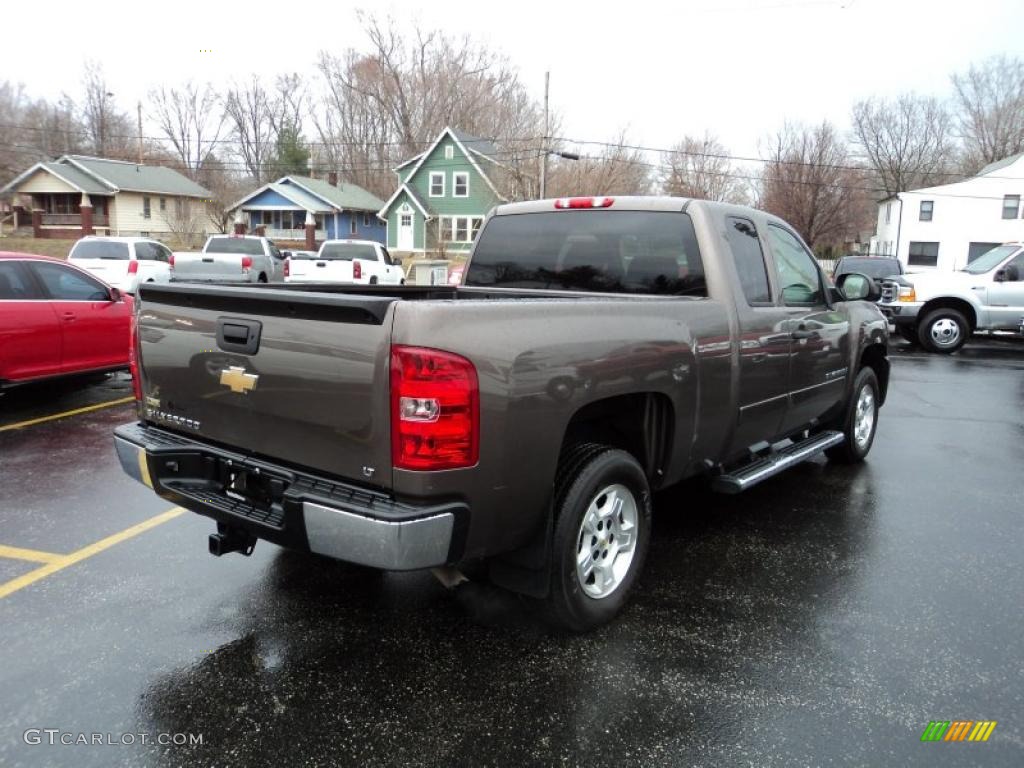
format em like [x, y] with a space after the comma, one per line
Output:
[478, 145]
[317, 195]
[69, 174]
[424, 208]
[132, 177]
[345, 195]
[1000, 164]
[97, 176]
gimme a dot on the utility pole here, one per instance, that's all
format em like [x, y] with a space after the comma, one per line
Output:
[140, 131]
[544, 139]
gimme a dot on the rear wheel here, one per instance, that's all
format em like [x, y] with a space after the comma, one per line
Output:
[944, 331]
[602, 531]
[859, 422]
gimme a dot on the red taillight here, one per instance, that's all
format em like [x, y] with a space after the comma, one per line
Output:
[357, 270]
[435, 410]
[287, 267]
[246, 263]
[170, 261]
[133, 357]
[133, 267]
[584, 202]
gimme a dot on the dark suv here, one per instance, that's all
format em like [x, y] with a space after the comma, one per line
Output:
[875, 267]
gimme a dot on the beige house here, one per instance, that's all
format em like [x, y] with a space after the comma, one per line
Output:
[79, 195]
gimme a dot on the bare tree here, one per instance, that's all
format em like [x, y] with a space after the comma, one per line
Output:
[384, 106]
[192, 119]
[906, 141]
[185, 221]
[226, 188]
[108, 130]
[807, 181]
[618, 169]
[250, 110]
[989, 101]
[701, 168]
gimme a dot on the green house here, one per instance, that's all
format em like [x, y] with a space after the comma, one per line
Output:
[443, 195]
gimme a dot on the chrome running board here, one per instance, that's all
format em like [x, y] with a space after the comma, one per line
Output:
[760, 469]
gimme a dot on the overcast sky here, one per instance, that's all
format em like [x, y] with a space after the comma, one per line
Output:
[737, 68]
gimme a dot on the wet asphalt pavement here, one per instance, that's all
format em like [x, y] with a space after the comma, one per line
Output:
[823, 618]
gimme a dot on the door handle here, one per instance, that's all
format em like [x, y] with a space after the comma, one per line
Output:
[69, 316]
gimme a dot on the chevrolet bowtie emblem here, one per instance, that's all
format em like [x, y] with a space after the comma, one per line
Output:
[238, 379]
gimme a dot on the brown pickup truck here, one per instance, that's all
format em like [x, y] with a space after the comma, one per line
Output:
[600, 349]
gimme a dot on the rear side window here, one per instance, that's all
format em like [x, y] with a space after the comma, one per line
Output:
[101, 249]
[749, 258]
[239, 245]
[67, 284]
[14, 283]
[347, 252]
[644, 252]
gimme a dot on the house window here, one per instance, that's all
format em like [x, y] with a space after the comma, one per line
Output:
[927, 208]
[460, 229]
[405, 220]
[888, 213]
[460, 181]
[145, 207]
[1011, 206]
[163, 203]
[449, 152]
[366, 219]
[437, 184]
[923, 254]
[352, 228]
[478, 222]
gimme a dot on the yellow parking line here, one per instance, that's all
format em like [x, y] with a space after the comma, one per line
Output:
[75, 412]
[63, 561]
[34, 555]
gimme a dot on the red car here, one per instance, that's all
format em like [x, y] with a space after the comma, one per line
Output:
[57, 319]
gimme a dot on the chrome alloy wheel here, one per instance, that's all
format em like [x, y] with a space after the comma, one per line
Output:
[945, 332]
[864, 418]
[606, 541]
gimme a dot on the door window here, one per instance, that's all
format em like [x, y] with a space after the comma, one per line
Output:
[14, 283]
[796, 269]
[749, 259]
[145, 252]
[66, 284]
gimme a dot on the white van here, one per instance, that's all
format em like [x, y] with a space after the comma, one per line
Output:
[123, 262]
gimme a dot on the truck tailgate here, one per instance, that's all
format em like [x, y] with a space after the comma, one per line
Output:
[320, 270]
[223, 267]
[298, 377]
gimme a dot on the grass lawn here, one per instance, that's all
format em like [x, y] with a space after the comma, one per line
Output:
[41, 247]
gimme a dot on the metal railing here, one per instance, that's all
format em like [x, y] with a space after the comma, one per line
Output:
[290, 234]
[72, 220]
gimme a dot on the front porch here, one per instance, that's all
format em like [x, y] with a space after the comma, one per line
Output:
[61, 214]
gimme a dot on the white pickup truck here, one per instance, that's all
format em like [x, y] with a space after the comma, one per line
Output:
[940, 310]
[231, 259]
[362, 262]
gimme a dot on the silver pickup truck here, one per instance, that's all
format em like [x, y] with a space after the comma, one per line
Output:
[600, 349]
[231, 259]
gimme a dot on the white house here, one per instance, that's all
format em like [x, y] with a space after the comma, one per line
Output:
[949, 226]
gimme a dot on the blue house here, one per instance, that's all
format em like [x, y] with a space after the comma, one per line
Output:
[340, 210]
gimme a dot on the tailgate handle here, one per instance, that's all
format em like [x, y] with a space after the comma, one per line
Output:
[238, 335]
[208, 260]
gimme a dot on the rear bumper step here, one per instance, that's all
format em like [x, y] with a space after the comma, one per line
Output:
[290, 508]
[751, 474]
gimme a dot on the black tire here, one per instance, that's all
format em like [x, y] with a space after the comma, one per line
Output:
[943, 330]
[908, 333]
[585, 471]
[852, 450]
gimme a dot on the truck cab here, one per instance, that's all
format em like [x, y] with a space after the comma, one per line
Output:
[940, 310]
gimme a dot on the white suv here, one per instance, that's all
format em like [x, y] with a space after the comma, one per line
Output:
[123, 262]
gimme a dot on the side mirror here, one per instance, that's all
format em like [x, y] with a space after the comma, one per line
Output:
[855, 286]
[115, 294]
[1008, 274]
